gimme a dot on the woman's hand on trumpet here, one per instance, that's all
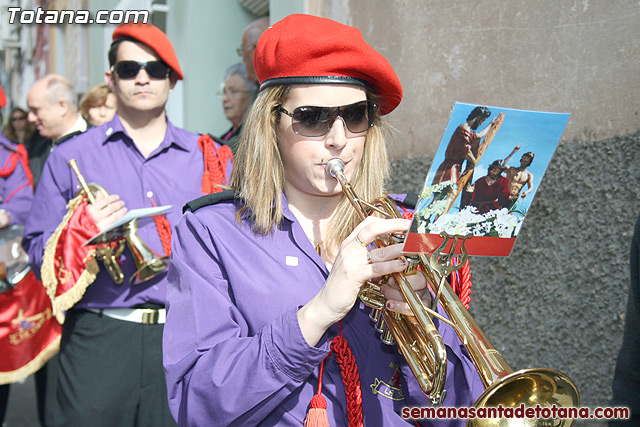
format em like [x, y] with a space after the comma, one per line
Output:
[353, 266]
[395, 299]
[106, 210]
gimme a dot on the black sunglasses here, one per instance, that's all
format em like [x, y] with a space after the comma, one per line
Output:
[130, 69]
[317, 121]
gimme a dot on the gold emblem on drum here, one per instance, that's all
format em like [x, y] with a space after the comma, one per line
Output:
[28, 327]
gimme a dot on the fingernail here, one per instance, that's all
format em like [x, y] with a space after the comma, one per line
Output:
[389, 305]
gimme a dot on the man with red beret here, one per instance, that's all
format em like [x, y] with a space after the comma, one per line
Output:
[109, 370]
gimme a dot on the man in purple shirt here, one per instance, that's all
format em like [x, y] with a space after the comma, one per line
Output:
[264, 326]
[110, 365]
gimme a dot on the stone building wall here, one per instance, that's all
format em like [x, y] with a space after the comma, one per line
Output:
[559, 300]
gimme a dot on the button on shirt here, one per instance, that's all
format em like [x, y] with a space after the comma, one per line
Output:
[16, 194]
[106, 155]
[234, 353]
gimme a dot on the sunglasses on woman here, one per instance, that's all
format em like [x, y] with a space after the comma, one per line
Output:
[317, 121]
[130, 69]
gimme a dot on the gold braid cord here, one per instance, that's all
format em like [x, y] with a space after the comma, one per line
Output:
[33, 366]
[65, 301]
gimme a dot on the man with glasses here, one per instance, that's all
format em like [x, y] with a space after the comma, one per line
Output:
[250, 38]
[247, 50]
[110, 366]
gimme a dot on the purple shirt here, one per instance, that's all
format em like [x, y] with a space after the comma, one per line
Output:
[106, 155]
[16, 194]
[234, 353]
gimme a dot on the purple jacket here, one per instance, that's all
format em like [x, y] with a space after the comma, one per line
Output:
[16, 194]
[233, 350]
[106, 155]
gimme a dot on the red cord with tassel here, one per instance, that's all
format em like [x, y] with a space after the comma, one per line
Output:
[317, 415]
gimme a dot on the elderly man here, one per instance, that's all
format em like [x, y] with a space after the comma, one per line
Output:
[250, 37]
[54, 111]
[110, 366]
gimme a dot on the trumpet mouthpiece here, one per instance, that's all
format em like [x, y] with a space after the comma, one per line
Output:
[335, 167]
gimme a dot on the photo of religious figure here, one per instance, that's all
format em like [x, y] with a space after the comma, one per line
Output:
[486, 171]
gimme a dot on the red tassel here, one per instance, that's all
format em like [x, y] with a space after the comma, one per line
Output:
[317, 415]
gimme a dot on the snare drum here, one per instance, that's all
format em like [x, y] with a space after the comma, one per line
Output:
[29, 333]
[12, 254]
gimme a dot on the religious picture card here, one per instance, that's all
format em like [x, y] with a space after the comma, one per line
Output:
[484, 176]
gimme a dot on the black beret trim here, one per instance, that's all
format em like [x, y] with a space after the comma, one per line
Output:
[410, 200]
[312, 80]
[209, 199]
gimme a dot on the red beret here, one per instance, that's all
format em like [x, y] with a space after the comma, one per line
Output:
[3, 98]
[153, 37]
[306, 49]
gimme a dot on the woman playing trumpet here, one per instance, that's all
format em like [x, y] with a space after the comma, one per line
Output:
[264, 277]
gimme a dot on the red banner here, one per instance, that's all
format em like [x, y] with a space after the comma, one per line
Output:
[29, 333]
[68, 268]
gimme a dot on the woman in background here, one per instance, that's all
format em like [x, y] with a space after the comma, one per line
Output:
[18, 129]
[98, 106]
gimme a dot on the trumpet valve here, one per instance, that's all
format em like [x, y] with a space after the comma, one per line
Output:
[412, 265]
[396, 238]
[374, 316]
[386, 336]
[380, 325]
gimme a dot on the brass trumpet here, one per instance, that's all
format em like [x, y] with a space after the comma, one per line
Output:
[531, 387]
[416, 335]
[111, 244]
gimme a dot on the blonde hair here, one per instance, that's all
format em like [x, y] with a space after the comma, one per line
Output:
[258, 175]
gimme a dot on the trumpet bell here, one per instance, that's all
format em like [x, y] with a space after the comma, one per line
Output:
[149, 270]
[148, 263]
[529, 387]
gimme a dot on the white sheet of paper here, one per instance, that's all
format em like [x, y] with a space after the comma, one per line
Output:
[131, 215]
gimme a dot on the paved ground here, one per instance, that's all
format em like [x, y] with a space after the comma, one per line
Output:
[21, 409]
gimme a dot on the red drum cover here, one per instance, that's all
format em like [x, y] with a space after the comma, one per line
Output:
[29, 333]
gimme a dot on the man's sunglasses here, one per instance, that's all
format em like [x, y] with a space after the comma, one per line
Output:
[317, 121]
[130, 69]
